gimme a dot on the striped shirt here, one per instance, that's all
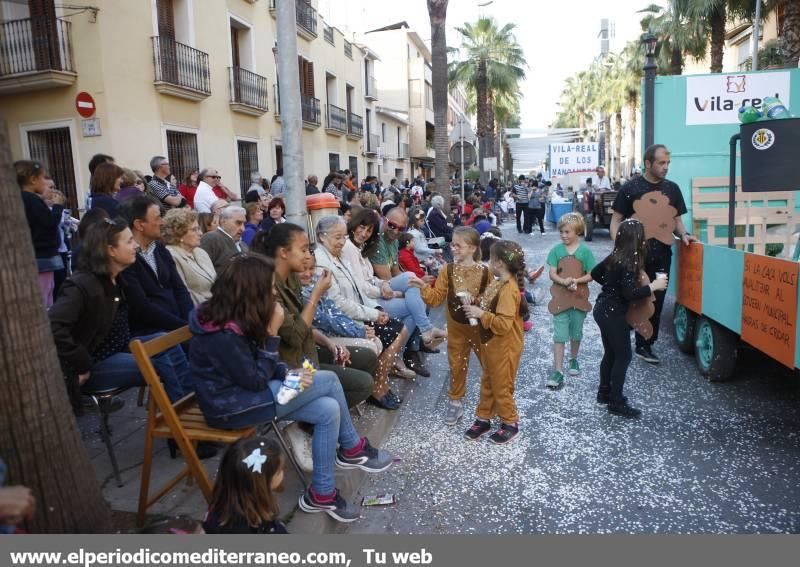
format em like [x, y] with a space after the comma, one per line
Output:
[521, 193]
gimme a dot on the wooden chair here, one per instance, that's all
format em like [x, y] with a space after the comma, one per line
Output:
[184, 422]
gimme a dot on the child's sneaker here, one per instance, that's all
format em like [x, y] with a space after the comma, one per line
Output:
[478, 430]
[527, 326]
[335, 506]
[455, 411]
[505, 434]
[556, 380]
[574, 367]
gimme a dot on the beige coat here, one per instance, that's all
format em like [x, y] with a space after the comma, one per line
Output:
[196, 270]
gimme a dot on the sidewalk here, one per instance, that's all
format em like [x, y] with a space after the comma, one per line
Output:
[128, 427]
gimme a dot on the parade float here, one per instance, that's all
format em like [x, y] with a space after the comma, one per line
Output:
[738, 284]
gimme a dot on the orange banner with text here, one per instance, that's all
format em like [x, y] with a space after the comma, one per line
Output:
[690, 277]
[769, 306]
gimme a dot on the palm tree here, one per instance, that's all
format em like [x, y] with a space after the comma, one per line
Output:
[679, 34]
[790, 31]
[437, 11]
[493, 63]
[715, 14]
[39, 437]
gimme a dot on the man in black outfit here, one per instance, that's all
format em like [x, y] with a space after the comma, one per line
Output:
[659, 255]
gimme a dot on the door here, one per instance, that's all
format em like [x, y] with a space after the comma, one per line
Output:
[167, 50]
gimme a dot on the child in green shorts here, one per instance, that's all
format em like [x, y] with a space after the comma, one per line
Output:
[568, 324]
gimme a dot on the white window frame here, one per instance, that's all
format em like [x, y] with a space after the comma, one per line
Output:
[257, 142]
[251, 35]
[81, 187]
[190, 7]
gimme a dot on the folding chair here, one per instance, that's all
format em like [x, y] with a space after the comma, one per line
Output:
[182, 421]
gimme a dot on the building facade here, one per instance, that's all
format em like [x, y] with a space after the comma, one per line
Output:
[167, 78]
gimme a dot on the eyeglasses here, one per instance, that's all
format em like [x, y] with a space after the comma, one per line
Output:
[214, 176]
[393, 226]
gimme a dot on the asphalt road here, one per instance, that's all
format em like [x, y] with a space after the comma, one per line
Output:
[703, 458]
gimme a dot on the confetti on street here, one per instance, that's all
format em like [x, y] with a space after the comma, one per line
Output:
[703, 458]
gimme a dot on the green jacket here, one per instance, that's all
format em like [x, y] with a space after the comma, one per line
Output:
[297, 339]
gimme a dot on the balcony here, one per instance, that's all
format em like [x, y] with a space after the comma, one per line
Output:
[327, 33]
[335, 120]
[249, 91]
[371, 89]
[181, 71]
[403, 152]
[305, 15]
[35, 55]
[355, 127]
[373, 143]
[309, 109]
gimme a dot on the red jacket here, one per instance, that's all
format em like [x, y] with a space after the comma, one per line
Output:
[409, 263]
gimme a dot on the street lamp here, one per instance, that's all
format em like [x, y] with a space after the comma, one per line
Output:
[649, 41]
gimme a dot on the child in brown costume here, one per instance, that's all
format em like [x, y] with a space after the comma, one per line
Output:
[465, 276]
[501, 312]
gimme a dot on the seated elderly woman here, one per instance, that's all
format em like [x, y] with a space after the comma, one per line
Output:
[182, 236]
[347, 292]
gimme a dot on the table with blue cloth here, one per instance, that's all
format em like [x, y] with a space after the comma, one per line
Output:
[557, 210]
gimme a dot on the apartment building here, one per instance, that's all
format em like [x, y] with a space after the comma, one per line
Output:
[167, 77]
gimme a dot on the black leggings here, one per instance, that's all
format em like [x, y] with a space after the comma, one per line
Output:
[659, 259]
[522, 209]
[616, 335]
[534, 215]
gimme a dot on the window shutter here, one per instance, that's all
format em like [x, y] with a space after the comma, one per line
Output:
[310, 79]
[166, 18]
[301, 68]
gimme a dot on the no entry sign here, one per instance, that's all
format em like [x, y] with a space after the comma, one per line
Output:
[84, 104]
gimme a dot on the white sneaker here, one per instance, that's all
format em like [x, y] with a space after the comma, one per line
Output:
[301, 446]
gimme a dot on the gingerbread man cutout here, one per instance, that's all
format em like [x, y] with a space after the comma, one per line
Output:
[563, 299]
[657, 216]
[640, 311]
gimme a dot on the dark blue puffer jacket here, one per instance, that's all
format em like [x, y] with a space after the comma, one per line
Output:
[232, 374]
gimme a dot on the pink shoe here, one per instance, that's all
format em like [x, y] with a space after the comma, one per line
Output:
[527, 326]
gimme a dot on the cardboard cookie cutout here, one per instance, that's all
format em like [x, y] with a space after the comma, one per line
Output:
[640, 311]
[563, 299]
[657, 215]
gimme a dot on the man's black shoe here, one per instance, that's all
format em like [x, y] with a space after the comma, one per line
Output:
[604, 397]
[624, 410]
[114, 404]
[646, 353]
[428, 350]
[416, 362]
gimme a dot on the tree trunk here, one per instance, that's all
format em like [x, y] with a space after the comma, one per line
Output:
[676, 62]
[618, 145]
[717, 37]
[632, 141]
[607, 140]
[437, 10]
[790, 34]
[485, 120]
[39, 437]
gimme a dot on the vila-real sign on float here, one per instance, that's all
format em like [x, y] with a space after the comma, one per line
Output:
[716, 99]
[570, 158]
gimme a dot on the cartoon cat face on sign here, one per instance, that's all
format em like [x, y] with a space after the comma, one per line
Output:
[657, 216]
[563, 299]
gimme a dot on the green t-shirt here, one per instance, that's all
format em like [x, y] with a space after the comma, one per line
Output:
[386, 253]
[583, 254]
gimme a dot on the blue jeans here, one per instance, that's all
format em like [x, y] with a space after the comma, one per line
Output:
[323, 405]
[409, 309]
[120, 371]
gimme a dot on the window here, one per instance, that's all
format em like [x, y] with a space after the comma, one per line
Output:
[353, 167]
[370, 168]
[333, 162]
[306, 77]
[383, 131]
[248, 163]
[182, 153]
[53, 149]
[428, 96]
[398, 141]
